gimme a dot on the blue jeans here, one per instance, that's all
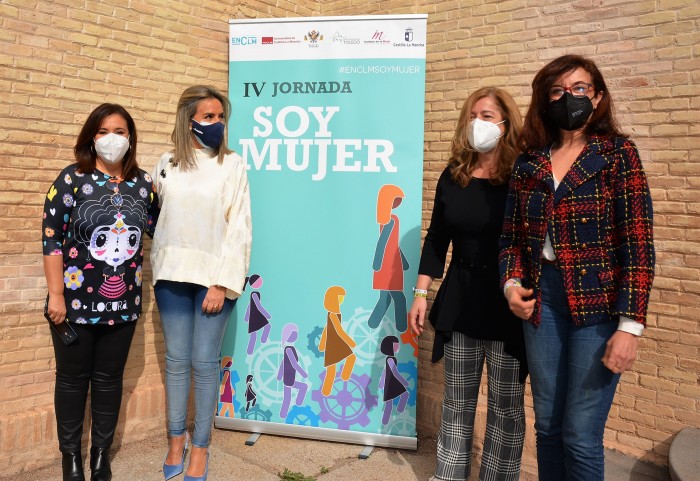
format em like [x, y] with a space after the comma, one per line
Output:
[192, 343]
[571, 389]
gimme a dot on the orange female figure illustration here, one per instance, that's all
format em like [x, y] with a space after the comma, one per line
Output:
[389, 262]
[335, 342]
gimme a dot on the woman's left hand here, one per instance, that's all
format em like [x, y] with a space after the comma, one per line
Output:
[214, 300]
[621, 351]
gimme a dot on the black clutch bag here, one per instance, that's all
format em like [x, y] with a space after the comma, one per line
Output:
[64, 330]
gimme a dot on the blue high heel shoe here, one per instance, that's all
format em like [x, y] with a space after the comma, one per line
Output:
[206, 472]
[172, 470]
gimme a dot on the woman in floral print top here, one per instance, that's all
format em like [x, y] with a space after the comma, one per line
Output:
[95, 215]
[96, 222]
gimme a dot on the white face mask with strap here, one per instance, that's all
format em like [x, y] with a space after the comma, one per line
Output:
[111, 148]
[483, 136]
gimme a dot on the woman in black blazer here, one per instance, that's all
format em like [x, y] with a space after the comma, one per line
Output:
[471, 318]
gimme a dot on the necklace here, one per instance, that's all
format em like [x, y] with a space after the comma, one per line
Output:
[116, 199]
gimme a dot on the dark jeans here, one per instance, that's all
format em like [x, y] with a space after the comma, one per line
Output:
[95, 361]
[572, 390]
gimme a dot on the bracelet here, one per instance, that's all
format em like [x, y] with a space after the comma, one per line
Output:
[420, 293]
[511, 283]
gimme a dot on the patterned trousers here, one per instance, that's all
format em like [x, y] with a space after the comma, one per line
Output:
[505, 419]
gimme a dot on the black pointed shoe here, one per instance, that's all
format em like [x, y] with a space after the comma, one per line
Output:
[100, 469]
[72, 464]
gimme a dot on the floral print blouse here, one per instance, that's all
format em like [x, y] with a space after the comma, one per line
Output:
[96, 222]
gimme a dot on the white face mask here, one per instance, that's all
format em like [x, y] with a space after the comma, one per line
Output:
[482, 135]
[112, 147]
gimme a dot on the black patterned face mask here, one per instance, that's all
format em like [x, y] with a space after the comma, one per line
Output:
[570, 112]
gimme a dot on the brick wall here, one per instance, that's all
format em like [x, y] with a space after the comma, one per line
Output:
[59, 59]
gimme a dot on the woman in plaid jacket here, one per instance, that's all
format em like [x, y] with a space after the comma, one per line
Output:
[576, 261]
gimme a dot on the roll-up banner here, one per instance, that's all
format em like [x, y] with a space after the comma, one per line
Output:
[328, 117]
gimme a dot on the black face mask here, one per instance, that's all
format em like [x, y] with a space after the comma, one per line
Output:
[570, 112]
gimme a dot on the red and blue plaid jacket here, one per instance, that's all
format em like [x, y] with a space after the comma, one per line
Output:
[599, 221]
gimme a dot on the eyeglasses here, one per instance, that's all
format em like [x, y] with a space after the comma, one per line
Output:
[579, 89]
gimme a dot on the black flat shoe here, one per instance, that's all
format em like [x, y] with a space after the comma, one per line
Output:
[72, 464]
[100, 470]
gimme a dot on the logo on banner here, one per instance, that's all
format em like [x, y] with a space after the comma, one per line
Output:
[378, 38]
[408, 40]
[337, 37]
[242, 41]
[313, 37]
[278, 40]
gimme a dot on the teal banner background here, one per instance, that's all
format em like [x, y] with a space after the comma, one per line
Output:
[315, 232]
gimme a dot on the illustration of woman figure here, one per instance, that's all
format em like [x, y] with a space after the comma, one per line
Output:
[335, 342]
[389, 262]
[226, 391]
[250, 395]
[114, 241]
[256, 315]
[289, 367]
[391, 381]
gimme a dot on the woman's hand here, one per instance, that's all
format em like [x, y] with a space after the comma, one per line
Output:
[416, 316]
[620, 352]
[57, 308]
[214, 300]
[516, 296]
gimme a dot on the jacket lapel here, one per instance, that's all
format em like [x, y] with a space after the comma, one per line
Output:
[539, 167]
[595, 156]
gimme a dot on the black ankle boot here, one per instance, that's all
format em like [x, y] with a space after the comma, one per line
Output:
[100, 470]
[72, 464]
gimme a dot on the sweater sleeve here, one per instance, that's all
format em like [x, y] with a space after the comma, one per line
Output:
[437, 239]
[235, 257]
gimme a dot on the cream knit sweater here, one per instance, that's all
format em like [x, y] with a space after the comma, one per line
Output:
[204, 231]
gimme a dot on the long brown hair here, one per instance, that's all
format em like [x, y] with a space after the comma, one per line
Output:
[463, 158]
[183, 153]
[85, 155]
[539, 131]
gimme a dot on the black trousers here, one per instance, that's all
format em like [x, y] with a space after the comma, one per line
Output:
[95, 361]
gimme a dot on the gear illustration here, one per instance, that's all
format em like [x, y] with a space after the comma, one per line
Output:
[402, 427]
[409, 370]
[302, 416]
[314, 338]
[264, 364]
[256, 413]
[349, 402]
[367, 339]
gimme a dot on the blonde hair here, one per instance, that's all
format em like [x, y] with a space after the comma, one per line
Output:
[183, 153]
[463, 158]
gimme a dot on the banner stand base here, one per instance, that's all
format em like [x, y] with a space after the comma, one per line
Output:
[318, 433]
[364, 454]
[252, 439]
